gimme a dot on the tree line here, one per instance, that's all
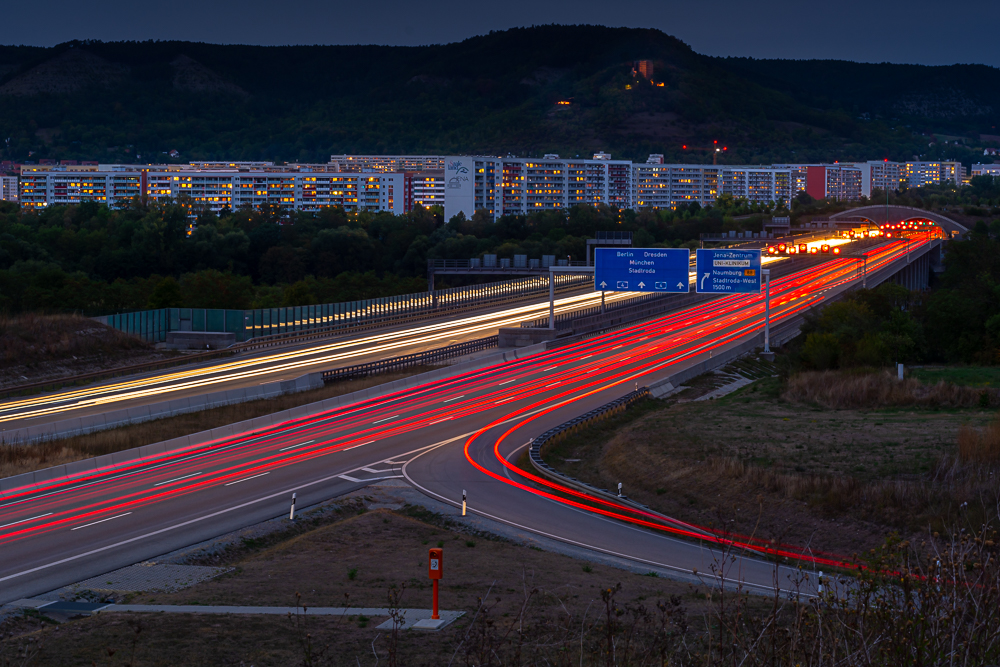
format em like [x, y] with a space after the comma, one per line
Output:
[93, 259]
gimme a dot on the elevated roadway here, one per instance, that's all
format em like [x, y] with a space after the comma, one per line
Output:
[271, 365]
[454, 434]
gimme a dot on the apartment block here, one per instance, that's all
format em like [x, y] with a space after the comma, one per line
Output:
[8, 188]
[497, 185]
[919, 174]
[880, 175]
[215, 189]
[503, 186]
[387, 163]
[834, 181]
[985, 170]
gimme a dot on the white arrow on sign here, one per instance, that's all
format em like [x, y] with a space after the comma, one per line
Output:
[603, 284]
[680, 285]
[641, 285]
[703, 280]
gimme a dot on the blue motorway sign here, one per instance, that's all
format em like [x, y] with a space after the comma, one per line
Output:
[642, 269]
[726, 271]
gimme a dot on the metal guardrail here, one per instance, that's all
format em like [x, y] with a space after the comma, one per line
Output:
[570, 427]
[408, 360]
[565, 320]
[475, 265]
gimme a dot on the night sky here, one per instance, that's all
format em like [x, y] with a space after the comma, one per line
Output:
[927, 32]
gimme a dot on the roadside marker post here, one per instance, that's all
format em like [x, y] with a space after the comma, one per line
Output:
[435, 569]
[463, 502]
[291, 513]
[766, 273]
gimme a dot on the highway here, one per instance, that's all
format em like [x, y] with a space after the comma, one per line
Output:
[443, 437]
[262, 367]
[271, 366]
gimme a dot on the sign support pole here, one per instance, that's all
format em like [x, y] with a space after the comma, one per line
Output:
[552, 300]
[767, 310]
[434, 609]
[602, 302]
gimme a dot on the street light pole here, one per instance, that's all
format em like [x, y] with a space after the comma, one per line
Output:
[552, 300]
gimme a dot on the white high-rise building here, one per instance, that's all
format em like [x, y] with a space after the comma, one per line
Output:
[8, 188]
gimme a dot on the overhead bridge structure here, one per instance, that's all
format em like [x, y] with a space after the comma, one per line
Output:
[882, 215]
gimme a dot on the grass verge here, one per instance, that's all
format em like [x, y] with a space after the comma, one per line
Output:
[37, 347]
[515, 598]
[759, 462]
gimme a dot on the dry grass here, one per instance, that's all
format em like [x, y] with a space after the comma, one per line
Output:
[17, 458]
[980, 445]
[37, 348]
[844, 391]
[836, 479]
[32, 338]
[357, 561]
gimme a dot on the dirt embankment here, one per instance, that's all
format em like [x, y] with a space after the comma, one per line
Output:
[517, 600]
[770, 460]
[41, 347]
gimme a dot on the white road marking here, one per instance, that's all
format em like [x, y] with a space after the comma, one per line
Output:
[248, 478]
[385, 420]
[177, 479]
[453, 399]
[505, 400]
[550, 368]
[7, 525]
[377, 472]
[298, 445]
[507, 382]
[86, 525]
[349, 478]
[439, 421]
[279, 494]
[356, 446]
[551, 385]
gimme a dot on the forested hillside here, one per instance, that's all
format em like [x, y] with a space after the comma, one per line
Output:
[492, 94]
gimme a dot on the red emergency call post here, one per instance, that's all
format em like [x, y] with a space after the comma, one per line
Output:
[435, 568]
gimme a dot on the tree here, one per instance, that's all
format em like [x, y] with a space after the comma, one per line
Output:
[167, 294]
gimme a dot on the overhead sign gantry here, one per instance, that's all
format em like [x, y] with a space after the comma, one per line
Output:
[727, 271]
[664, 270]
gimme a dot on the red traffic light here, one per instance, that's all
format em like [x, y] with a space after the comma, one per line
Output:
[803, 248]
[836, 251]
[824, 248]
[781, 247]
[814, 250]
[771, 250]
